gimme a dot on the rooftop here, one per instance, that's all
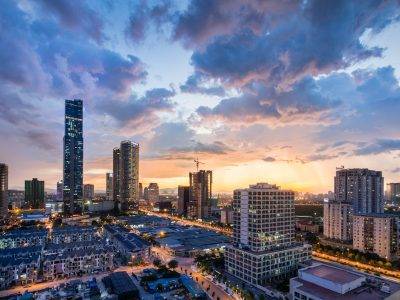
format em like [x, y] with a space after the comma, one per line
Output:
[333, 274]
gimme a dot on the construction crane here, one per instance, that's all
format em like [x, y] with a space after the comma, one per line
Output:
[197, 163]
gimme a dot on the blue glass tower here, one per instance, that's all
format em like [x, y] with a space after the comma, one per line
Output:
[73, 157]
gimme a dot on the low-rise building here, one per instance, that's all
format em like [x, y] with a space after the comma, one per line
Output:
[20, 270]
[70, 234]
[325, 282]
[78, 262]
[377, 233]
[23, 238]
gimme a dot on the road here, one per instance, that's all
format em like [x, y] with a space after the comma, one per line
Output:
[50, 284]
[392, 275]
[204, 225]
[186, 266]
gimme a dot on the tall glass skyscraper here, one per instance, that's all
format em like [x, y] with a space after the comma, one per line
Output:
[73, 157]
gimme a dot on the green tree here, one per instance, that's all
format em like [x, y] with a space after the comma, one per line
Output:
[172, 264]
[157, 262]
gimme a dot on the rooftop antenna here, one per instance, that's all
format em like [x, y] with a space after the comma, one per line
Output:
[196, 160]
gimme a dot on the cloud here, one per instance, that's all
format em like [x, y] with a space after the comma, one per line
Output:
[199, 147]
[379, 146]
[139, 110]
[395, 170]
[195, 84]
[303, 104]
[77, 16]
[269, 159]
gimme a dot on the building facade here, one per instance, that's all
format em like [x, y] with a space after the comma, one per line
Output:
[109, 186]
[16, 199]
[362, 188]
[88, 192]
[3, 191]
[264, 246]
[60, 187]
[34, 193]
[393, 193]
[153, 193]
[376, 233]
[126, 176]
[183, 200]
[73, 157]
[338, 220]
[200, 194]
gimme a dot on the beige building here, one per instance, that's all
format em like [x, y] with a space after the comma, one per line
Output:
[337, 220]
[376, 233]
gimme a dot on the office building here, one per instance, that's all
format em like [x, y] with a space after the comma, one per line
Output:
[338, 220]
[200, 194]
[116, 160]
[153, 193]
[393, 193]
[73, 157]
[362, 188]
[34, 193]
[109, 186]
[88, 192]
[376, 233]
[264, 247]
[16, 199]
[60, 188]
[129, 175]
[327, 282]
[183, 200]
[3, 191]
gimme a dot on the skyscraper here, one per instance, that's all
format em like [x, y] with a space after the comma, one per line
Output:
[126, 175]
[183, 200]
[73, 157]
[109, 186]
[116, 159]
[88, 192]
[362, 188]
[264, 246]
[140, 190]
[34, 193]
[200, 194]
[60, 187]
[153, 193]
[3, 191]
[393, 193]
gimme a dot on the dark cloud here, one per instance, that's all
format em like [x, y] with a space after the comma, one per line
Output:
[269, 159]
[379, 146]
[75, 15]
[395, 170]
[139, 109]
[199, 147]
[195, 85]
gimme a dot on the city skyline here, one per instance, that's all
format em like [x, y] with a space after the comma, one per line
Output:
[287, 111]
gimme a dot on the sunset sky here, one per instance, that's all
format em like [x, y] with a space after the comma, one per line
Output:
[275, 91]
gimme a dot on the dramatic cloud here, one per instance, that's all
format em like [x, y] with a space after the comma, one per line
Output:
[380, 146]
[195, 84]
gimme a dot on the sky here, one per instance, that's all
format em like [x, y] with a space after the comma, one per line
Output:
[273, 91]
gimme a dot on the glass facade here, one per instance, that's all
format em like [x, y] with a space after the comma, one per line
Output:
[73, 157]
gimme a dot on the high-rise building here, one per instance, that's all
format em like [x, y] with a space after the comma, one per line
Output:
[109, 186]
[146, 193]
[3, 191]
[363, 188]
[126, 176]
[338, 220]
[16, 199]
[183, 200]
[200, 194]
[116, 160]
[60, 187]
[376, 233]
[153, 193]
[73, 157]
[393, 193]
[264, 247]
[88, 192]
[140, 190]
[34, 193]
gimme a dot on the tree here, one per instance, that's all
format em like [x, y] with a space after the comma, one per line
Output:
[172, 264]
[157, 262]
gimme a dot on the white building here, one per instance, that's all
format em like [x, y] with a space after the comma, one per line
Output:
[337, 220]
[264, 246]
[377, 233]
[325, 282]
